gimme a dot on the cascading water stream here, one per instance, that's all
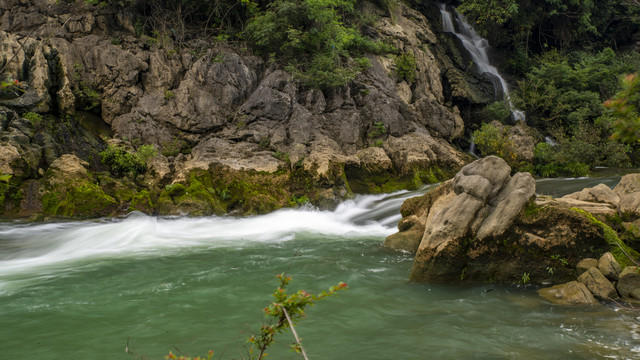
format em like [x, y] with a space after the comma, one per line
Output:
[478, 47]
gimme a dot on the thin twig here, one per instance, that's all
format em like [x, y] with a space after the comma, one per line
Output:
[295, 334]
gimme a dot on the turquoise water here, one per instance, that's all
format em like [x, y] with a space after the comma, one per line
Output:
[86, 290]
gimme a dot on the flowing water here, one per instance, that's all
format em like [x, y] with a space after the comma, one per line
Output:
[478, 47]
[89, 290]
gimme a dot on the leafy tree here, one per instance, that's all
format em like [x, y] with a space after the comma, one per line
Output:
[489, 11]
[625, 107]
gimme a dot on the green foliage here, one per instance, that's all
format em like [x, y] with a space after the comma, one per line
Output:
[523, 25]
[489, 11]
[11, 89]
[283, 313]
[495, 111]
[123, 162]
[525, 278]
[377, 130]
[625, 107]
[563, 96]
[406, 66]
[318, 40]
[168, 94]
[551, 161]
[34, 118]
[492, 140]
[146, 153]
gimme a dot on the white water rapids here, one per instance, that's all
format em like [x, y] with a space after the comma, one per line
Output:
[45, 249]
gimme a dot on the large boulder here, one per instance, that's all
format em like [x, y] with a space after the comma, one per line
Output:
[585, 264]
[483, 226]
[628, 189]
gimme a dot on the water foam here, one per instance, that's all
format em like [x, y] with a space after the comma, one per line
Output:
[26, 248]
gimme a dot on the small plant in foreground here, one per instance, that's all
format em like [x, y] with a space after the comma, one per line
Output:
[282, 314]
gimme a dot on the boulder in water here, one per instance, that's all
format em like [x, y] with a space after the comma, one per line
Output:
[571, 293]
[600, 194]
[483, 226]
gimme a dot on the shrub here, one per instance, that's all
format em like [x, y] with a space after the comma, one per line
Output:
[406, 66]
[492, 140]
[146, 153]
[123, 162]
[319, 41]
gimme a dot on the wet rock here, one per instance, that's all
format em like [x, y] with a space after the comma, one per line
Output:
[571, 293]
[599, 286]
[408, 240]
[585, 264]
[629, 281]
[609, 267]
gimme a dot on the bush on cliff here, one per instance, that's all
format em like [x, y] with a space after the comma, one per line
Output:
[123, 162]
[319, 41]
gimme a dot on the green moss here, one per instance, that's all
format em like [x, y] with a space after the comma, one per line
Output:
[174, 190]
[619, 249]
[142, 202]
[83, 200]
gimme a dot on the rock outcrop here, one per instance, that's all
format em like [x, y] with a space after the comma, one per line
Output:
[483, 225]
[205, 106]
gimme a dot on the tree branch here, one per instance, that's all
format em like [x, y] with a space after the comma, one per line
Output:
[295, 334]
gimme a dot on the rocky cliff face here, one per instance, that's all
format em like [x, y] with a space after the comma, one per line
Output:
[240, 129]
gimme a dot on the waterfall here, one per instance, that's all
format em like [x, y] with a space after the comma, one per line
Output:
[478, 47]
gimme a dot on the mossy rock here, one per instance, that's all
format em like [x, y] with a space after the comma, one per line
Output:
[79, 200]
[362, 181]
[142, 202]
[621, 252]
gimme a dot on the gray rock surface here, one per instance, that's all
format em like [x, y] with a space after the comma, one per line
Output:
[482, 225]
[205, 106]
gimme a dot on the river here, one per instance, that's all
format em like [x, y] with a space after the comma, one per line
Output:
[91, 289]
